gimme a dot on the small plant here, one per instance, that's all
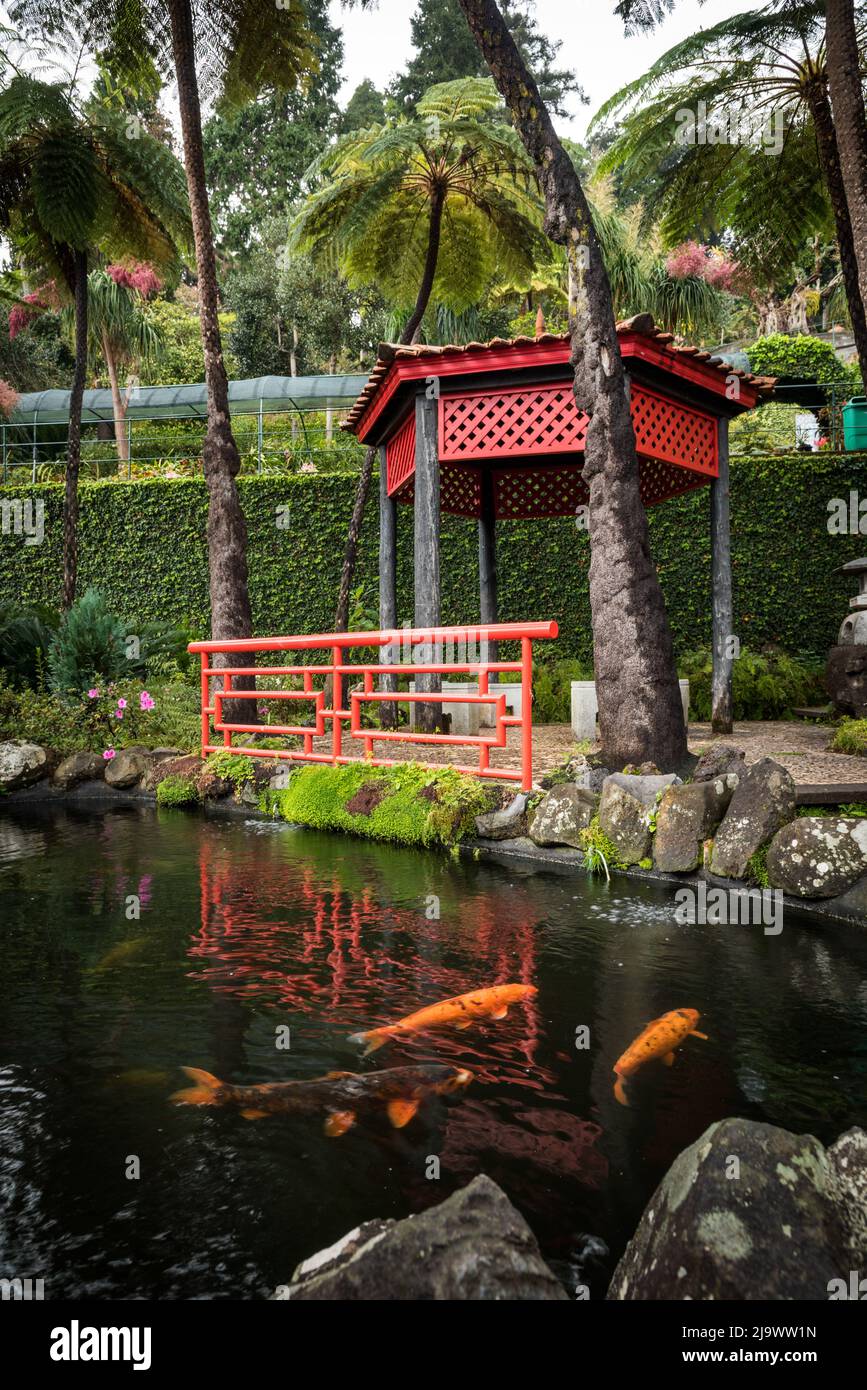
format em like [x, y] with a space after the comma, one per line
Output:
[850, 736]
[236, 768]
[175, 791]
[89, 647]
[595, 843]
[645, 863]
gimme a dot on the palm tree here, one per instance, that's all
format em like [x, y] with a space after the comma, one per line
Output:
[768, 65]
[241, 47]
[426, 208]
[72, 185]
[846, 70]
[639, 709]
[120, 334]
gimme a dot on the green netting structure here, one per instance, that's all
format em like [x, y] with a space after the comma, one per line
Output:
[258, 395]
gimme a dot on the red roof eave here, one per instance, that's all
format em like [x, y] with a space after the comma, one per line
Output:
[399, 364]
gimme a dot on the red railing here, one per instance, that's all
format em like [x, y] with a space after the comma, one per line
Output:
[322, 741]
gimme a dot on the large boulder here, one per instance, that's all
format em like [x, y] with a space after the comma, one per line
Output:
[127, 768]
[626, 808]
[750, 1211]
[846, 679]
[686, 816]
[562, 814]
[22, 763]
[818, 856]
[78, 767]
[508, 823]
[473, 1246]
[763, 802]
[718, 761]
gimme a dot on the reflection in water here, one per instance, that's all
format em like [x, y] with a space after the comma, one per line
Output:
[244, 930]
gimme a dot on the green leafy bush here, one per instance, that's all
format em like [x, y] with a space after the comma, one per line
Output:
[802, 356]
[552, 694]
[75, 723]
[765, 685]
[26, 635]
[768, 427]
[89, 646]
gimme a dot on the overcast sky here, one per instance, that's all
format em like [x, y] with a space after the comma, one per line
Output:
[377, 44]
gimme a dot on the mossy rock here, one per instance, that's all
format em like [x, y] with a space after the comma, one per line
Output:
[405, 805]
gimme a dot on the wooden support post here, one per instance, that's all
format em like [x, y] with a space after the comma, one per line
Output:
[426, 550]
[387, 586]
[721, 598]
[490, 651]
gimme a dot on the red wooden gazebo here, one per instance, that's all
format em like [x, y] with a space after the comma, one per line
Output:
[492, 431]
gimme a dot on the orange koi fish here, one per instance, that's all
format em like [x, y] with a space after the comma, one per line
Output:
[342, 1095]
[659, 1039]
[461, 1011]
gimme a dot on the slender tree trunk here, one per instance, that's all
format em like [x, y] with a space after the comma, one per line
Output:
[231, 615]
[829, 159]
[117, 400]
[850, 124]
[640, 712]
[73, 445]
[350, 554]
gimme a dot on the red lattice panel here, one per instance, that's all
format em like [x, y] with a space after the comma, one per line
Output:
[674, 433]
[460, 490]
[400, 454]
[529, 492]
[524, 493]
[524, 420]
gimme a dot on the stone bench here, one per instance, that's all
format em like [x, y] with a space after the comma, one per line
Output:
[467, 719]
[585, 708]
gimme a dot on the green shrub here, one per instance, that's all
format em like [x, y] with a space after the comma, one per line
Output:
[801, 356]
[89, 646]
[417, 806]
[769, 427]
[26, 635]
[176, 791]
[850, 736]
[552, 695]
[75, 723]
[765, 685]
[236, 768]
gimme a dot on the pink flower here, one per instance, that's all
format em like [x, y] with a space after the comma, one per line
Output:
[118, 714]
[93, 694]
[121, 704]
[138, 276]
[108, 754]
[145, 700]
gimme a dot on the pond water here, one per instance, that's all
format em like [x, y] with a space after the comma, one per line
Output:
[246, 928]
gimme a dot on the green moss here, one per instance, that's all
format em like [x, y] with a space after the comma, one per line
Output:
[645, 863]
[417, 806]
[757, 868]
[595, 839]
[176, 791]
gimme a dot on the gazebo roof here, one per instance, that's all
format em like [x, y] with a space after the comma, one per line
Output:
[641, 343]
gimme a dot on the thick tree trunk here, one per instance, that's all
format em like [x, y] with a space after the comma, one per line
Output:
[73, 443]
[829, 158]
[847, 100]
[117, 400]
[350, 554]
[640, 713]
[231, 615]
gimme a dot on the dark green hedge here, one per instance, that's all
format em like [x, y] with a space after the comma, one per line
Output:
[144, 545]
